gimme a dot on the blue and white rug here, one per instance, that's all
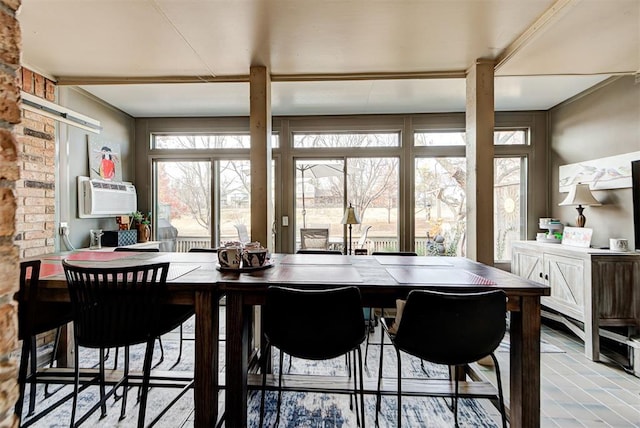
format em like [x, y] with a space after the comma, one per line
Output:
[298, 409]
[312, 410]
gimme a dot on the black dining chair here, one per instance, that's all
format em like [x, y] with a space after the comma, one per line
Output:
[152, 250]
[36, 317]
[454, 329]
[119, 307]
[202, 250]
[333, 315]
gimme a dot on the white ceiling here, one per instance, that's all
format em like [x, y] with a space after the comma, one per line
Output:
[126, 51]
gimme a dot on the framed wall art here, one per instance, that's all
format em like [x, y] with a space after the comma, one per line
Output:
[613, 172]
[104, 159]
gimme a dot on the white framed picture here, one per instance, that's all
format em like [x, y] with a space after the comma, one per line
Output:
[577, 236]
[613, 172]
[104, 159]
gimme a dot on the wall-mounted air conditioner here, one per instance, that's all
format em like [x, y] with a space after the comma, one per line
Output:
[100, 198]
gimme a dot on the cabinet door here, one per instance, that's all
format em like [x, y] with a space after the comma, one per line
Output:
[566, 279]
[527, 264]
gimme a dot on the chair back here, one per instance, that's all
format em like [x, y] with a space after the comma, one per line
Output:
[35, 316]
[363, 237]
[116, 306]
[394, 253]
[243, 234]
[137, 250]
[314, 238]
[452, 328]
[308, 251]
[314, 324]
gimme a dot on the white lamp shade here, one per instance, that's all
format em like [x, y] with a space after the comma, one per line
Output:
[580, 195]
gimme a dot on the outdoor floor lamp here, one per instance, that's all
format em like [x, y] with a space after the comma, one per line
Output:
[350, 218]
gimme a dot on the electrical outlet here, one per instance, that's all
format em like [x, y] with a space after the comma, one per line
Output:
[285, 220]
[64, 228]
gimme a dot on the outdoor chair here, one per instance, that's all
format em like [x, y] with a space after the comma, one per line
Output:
[314, 238]
[243, 235]
[453, 329]
[119, 307]
[289, 317]
[363, 238]
[36, 317]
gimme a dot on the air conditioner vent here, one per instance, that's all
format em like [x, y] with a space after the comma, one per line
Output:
[99, 198]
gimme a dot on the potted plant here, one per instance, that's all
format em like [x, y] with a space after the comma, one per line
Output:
[143, 224]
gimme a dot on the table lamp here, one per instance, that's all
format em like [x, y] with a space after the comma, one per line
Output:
[350, 218]
[580, 195]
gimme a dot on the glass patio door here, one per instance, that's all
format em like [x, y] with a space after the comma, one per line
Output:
[320, 199]
[200, 203]
[325, 188]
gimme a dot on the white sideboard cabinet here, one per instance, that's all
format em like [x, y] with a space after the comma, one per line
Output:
[598, 288]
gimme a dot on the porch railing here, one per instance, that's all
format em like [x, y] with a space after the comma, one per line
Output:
[374, 243]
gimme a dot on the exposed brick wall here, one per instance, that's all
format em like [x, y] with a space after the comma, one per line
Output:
[35, 190]
[10, 45]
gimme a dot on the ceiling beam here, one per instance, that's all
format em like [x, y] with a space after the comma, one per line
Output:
[311, 77]
[540, 25]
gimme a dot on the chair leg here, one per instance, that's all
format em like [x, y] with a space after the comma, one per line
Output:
[279, 388]
[148, 355]
[103, 382]
[500, 394]
[22, 376]
[359, 352]
[366, 349]
[399, 389]
[115, 359]
[76, 384]
[354, 397]
[54, 354]
[33, 357]
[161, 353]
[267, 351]
[378, 395]
[125, 384]
[179, 349]
[347, 358]
[455, 403]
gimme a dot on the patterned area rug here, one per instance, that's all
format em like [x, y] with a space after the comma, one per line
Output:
[298, 409]
[326, 410]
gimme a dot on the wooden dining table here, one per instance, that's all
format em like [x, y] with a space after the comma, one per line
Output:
[196, 279]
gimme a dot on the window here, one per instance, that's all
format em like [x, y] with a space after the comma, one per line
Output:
[205, 141]
[507, 205]
[452, 138]
[185, 207]
[440, 206]
[316, 140]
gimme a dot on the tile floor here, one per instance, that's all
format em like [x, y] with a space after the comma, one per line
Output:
[577, 392]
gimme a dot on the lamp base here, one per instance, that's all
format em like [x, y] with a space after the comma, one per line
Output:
[581, 220]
